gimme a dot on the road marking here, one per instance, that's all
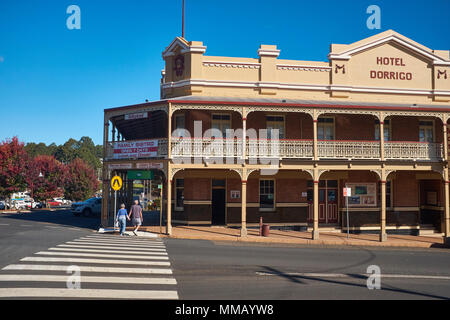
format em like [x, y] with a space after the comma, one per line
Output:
[26, 225]
[96, 261]
[80, 254]
[110, 251]
[125, 239]
[109, 247]
[116, 243]
[87, 293]
[4, 224]
[86, 279]
[39, 267]
[349, 275]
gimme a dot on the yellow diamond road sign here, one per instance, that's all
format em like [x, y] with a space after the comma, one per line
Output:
[116, 183]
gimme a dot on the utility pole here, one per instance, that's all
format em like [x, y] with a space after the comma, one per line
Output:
[183, 18]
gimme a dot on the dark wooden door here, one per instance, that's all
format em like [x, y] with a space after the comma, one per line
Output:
[218, 207]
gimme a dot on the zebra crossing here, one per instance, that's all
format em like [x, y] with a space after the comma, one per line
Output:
[97, 266]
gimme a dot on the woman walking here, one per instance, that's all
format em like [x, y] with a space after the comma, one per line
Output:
[122, 217]
[136, 216]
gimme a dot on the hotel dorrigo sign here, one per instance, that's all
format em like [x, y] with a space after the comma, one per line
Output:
[394, 74]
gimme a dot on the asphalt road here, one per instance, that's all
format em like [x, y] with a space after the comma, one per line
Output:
[206, 270]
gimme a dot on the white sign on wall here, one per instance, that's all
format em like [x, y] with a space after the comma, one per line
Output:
[155, 165]
[134, 116]
[135, 149]
[119, 166]
[235, 194]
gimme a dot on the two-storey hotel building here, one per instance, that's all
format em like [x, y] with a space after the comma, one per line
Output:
[237, 139]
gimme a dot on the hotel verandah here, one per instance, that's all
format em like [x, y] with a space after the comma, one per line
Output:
[373, 118]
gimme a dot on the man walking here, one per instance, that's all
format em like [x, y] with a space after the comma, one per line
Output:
[136, 216]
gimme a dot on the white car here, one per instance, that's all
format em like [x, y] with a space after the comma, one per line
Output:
[30, 204]
[87, 208]
[62, 201]
[19, 204]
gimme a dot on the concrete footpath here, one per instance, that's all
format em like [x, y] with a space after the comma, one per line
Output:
[297, 237]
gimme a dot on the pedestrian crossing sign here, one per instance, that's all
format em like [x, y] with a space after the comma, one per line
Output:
[116, 183]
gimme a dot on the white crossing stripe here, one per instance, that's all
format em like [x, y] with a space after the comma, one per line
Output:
[119, 252]
[97, 255]
[86, 279]
[131, 235]
[70, 245]
[39, 267]
[123, 239]
[87, 293]
[96, 261]
[115, 243]
[137, 242]
[105, 235]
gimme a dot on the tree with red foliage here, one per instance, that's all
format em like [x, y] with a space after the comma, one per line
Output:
[13, 163]
[81, 182]
[45, 177]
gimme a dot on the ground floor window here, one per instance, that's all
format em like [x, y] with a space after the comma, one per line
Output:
[266, 194]
[179, 194]
[388, 194]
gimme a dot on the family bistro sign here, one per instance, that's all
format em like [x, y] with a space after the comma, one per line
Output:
[390, 75]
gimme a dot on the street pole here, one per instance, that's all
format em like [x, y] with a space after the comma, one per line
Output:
[115, 209]
[160, 209]
[348, 226]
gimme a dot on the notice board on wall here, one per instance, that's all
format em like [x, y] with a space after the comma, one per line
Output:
[363, 194]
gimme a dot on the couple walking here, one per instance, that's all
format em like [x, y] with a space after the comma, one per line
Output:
[135, 216]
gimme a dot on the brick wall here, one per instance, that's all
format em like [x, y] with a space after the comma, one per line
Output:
[290, 190]
[405, 128]
[197, 189]
[354, 127]
[405, 188]
[233, 184]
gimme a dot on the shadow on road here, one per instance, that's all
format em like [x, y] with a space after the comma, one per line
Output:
[300, 279]
[61, 217]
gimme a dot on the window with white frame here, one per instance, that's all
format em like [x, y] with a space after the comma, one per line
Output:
[267, 194]
[325, 128]
[426, 131]
[179, 194]
[221, 122]
[386, 129]
[180, 123]
[275, 123]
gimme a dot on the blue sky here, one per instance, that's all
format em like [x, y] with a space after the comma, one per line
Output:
[55, 82]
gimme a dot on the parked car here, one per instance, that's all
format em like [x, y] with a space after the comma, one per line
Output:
[39, 205]
[30, 204]
[87, 208]
[63, 201]
[3, 205]
[53, 203]
[19, 204]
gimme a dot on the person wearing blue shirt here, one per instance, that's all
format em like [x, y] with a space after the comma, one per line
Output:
[122, 217]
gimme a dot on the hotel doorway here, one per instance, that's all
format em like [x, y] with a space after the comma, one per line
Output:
[328, 201]
[218, 203]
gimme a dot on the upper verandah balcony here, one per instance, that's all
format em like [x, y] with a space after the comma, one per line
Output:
[342, 132]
